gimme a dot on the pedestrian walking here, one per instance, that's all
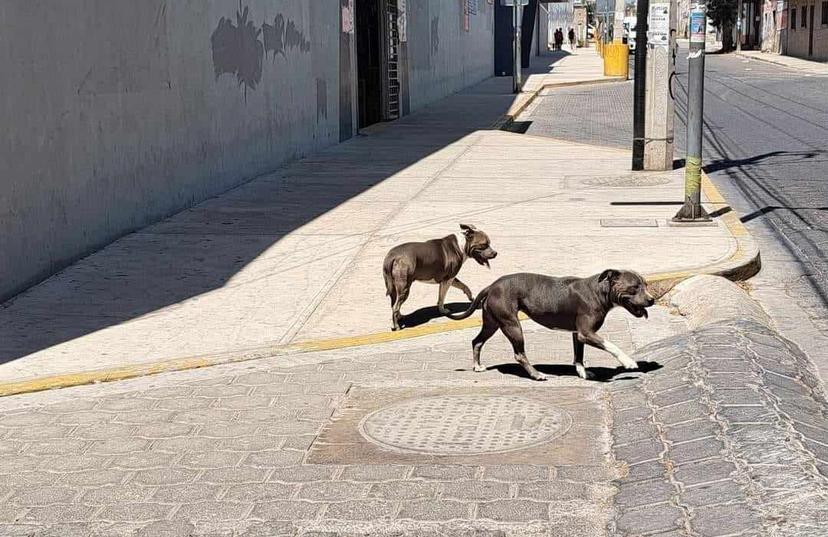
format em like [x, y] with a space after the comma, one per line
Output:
[559, 39]
[572, 39]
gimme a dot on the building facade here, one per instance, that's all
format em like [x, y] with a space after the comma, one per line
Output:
[124, 112]
[805, 33]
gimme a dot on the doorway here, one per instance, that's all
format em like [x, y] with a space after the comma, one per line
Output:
[369, 61]
[811, 33]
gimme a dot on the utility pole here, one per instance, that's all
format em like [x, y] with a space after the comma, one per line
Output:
[692, 211]
[739, 27]
[640, 84]
[517, 78]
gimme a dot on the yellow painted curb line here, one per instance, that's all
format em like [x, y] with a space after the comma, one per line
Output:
[743, 263]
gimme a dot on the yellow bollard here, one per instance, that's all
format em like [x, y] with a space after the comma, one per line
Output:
[616, 60]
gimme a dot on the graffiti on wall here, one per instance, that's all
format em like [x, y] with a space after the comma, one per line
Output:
[239, 47]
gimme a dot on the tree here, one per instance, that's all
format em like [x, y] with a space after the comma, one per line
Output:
[723, 14]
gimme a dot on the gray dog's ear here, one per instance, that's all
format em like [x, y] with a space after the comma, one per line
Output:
[467, 228]
[609, 274]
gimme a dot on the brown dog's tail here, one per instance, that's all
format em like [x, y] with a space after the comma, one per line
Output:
[476, 303]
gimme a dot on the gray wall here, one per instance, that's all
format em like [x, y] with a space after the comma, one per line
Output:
[443, 57]
[116, 113]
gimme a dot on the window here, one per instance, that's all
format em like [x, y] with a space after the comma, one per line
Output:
[804, 23]
[793, 18]
[824, 12]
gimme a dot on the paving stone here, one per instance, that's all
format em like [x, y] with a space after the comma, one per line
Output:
[64, 530]
[164, 476]
[633, 414]
[812, 433]
[44, 495]
[59, 513]
[403, 490]
[260, 492]
[57, 447]
[187, 493]
[513, 511]
[145, 417]
[518, 472]
[143, 460]
[204, 415]
[695, 450]
[135, 512]
[244, 402]
[639, 451]
[118, 445]
[626, 433]
[434, 510]
[650, 519]
[723, 520]
[306, 473]
[555, 491]
[27, 479]
[713, 493]
[333, 490]
[167, 528]
[106, 431]
[584, 473]
[731, 380]
[704, 471]
[184, 403]
[185, 443]
[374, 472]
[693, 430]
[259, 378]
[210, 459]
[221, 510]
[681, 412]
[115, 495]
[360, 510]
[42, 432]
[745, 414]
[270, 459]
[738, 396]
[27, 419]
[292, 427]
[644, 471]
[224, 390]
[239, 474]
[95, 478]
[475, 490]
[681, 394]
[286, 510]
[163, 430]
[443, 472]
[636, 494]
[273, 414]
[271, 528]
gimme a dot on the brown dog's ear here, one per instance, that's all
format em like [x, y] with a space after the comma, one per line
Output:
[609, 274]
[467, 228]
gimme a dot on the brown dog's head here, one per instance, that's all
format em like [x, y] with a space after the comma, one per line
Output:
[628, 290]
[478, 246]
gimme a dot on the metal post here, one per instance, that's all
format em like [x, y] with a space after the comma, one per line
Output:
[517, 82]
[739, 27]
[640, 84]
[692, 209]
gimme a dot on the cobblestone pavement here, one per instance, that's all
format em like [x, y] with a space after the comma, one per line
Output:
[235, 450]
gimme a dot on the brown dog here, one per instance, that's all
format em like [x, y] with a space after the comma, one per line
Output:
[577, 305]
[435, 261]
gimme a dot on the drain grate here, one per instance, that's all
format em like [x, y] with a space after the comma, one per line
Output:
[464, 424]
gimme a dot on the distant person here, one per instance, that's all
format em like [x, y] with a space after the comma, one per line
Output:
[572, 39]
[558, 39]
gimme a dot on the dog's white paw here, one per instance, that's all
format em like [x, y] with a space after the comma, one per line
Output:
[443, 311]
[584, 374]
[540, 377]
[479, 369]
[628, 363]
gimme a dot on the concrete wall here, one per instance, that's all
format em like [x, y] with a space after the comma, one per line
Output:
[797, 38]
[443, 57]
[116, 113]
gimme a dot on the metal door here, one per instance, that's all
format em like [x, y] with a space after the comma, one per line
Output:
[392, 61]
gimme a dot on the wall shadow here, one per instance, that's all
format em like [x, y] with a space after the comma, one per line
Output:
[201, 249]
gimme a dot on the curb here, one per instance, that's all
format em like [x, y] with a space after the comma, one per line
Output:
[769, 58]
[743, 263]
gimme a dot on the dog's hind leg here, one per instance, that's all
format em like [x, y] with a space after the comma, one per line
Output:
[578, 348]
[514, 333]
[463, 287]
[486, 332]
[401, 289]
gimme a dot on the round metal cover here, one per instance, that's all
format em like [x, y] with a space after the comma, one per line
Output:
[464, 424]
[627, 180]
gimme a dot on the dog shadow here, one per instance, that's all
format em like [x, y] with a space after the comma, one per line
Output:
[599, 374]
[424, 315]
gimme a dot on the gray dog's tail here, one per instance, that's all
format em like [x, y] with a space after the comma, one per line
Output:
[476, 303]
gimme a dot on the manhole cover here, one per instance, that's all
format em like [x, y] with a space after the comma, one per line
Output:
[464, 424]
[626, 180]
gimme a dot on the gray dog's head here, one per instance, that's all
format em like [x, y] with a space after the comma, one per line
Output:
[478, 246]
[628, 290]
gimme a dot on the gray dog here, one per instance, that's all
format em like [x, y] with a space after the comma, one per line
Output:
[577, 305]
[435, 261]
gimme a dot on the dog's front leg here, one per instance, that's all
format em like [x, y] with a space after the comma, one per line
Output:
[463, 287]
[594, 340]
[441, 297]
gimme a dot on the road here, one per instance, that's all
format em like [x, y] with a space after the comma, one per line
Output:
[765, 146]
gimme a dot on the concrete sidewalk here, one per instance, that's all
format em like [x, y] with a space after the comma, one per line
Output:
[798, 64]
[296, 255]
